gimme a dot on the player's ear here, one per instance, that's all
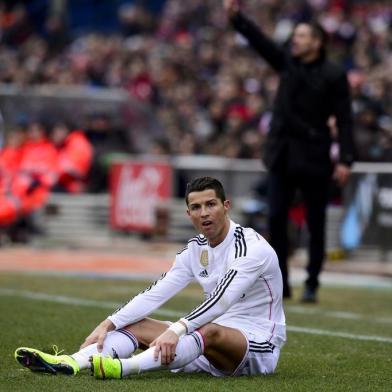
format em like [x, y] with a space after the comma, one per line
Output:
[188, 212]
[227, 205]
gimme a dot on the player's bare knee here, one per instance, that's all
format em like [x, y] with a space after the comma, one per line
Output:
[212, 334]
[146, 330]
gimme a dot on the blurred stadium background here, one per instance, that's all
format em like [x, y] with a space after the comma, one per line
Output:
[127, 101]
[163, 91]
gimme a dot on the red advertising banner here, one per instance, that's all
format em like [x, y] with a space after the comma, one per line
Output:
[136, 189]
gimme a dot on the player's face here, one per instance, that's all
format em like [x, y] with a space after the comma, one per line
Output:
[209, 215]
[303, 42]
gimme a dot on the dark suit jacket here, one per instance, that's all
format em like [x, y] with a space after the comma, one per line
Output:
[299, 139]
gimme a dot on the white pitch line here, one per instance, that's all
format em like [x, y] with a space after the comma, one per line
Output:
[336, 314]
[338, 334]
[61, 299]
[31, 295]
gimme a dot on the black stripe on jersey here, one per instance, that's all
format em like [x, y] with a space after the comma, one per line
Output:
[199, 240]
[265, 343]
[265, 347]
[240, 244]
[243, 240]
[236, 247]
[182, 250]
[153, 284]
[261, 350]
[214, 297]
[262, 344]
[147, 289]
[257, 235]
[217, 288]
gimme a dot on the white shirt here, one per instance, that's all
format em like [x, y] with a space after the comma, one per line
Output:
[241, 280]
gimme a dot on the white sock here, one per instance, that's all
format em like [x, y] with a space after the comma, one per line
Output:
[120, 343]
[189, 347]
[82, 356]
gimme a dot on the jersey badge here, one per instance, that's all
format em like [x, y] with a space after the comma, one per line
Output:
[204, 258]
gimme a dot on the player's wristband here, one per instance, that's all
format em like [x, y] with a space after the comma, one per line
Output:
[178, 328]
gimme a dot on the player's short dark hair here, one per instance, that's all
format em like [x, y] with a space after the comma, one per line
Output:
[202, 183]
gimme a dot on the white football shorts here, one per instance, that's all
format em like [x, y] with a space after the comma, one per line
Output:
[261, 357]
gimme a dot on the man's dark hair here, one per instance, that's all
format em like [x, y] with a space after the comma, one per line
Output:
[202, 183]
[319, 32]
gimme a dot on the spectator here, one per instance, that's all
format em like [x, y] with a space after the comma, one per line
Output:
[10, 158]
[16, 25]
[107, 142]
[27, 190]
[369, 133]
[75, 154]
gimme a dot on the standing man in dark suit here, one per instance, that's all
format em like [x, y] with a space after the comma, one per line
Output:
[297, 154]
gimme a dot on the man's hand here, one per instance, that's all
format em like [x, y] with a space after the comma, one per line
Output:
[99, 334]
[341, 174]
[231, 7]
[165, 344]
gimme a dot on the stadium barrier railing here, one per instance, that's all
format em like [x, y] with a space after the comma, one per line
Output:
[85, 219]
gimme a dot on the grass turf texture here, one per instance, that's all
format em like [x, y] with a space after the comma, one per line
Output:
[308, 362]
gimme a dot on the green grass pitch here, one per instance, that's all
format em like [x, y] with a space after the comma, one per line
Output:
[342, 344]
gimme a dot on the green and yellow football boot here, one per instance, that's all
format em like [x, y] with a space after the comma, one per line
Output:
[38, 361]
[105, 367]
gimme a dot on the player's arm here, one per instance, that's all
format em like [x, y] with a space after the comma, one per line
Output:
[238, 279]
[150, 299]
[265, 46]
[236, 282]
[242, 274]
[143, 304]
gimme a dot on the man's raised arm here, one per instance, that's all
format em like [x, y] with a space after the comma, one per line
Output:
[265, 46]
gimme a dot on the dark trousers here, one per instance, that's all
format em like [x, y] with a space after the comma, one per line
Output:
[314, 190]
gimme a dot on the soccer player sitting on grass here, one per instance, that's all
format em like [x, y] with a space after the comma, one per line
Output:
[238, 329]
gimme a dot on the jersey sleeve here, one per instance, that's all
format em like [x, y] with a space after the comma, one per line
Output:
[240, 276]
[143, 304]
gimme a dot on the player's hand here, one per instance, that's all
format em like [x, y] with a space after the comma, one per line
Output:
[341, 174]
[231, 6]
[165, 344]
[99, 335]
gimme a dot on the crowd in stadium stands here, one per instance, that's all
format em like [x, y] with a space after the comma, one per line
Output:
[209, 90]
[211, 93]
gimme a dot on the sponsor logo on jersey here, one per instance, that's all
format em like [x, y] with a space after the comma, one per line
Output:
[204, 258]
[203, 274]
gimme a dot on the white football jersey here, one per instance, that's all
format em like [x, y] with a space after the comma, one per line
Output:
[241, 280]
